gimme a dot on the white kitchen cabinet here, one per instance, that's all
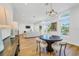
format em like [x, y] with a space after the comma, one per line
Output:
[6, 14]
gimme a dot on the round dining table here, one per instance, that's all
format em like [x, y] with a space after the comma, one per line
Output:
[50, 41]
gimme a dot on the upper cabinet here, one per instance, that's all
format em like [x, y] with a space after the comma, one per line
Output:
[2, 15]
[6, 15]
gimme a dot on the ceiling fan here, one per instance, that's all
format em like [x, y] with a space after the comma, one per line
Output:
[50, 11]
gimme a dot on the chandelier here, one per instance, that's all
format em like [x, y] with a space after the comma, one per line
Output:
[50, 11]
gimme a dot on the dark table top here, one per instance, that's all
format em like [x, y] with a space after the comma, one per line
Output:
[51, 38]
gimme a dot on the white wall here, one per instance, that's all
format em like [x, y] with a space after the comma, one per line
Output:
[74, 25]
[36, 29]
[22, 28]
[51, 20]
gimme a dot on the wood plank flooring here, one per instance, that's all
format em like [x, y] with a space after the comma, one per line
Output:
[28, 47]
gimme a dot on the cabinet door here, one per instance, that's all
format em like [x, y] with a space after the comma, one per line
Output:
[2, 15]
[6, 14]
[1, 42]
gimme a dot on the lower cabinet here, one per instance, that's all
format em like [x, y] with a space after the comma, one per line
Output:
[11, 48]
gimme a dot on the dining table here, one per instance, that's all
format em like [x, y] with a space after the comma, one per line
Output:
[50, 40]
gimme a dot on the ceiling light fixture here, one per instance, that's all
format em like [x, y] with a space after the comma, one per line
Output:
[50, 11]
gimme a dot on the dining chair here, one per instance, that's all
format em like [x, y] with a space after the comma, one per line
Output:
[63, 46]
[59, 48]
[56, 48]
[41, 46]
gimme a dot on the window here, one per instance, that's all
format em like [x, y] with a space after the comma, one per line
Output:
[52, 27]
[64, 21]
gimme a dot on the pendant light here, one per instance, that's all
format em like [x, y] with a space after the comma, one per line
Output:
[50, 11]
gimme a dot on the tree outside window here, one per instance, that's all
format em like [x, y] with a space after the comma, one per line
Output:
[64, 20]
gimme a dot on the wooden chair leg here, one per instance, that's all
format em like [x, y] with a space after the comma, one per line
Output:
[39, 51]
[60, 50]
[36, 49]
[65, 50]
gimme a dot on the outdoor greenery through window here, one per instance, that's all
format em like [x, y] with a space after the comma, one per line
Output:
[64, 21]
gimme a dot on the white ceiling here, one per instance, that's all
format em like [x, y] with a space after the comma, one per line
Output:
[33, 12]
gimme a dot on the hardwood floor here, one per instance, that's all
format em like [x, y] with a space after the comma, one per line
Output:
[28, 47]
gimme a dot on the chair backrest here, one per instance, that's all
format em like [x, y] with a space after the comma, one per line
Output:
[56, 45]
[38, 40]
[43, 43]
